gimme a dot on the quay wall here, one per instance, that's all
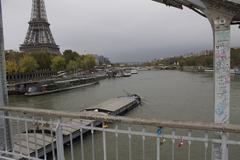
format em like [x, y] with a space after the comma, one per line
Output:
[193, 68]
[31, 76]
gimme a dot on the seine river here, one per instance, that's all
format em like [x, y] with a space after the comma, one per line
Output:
[170, 95]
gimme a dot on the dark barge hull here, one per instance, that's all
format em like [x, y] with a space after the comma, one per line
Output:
[61, 89]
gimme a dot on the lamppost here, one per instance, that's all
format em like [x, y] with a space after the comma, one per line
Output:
[5, 136]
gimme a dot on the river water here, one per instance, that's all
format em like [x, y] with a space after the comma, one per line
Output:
[170, 95]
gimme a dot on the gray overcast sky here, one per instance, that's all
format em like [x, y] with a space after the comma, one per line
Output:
[123, 30]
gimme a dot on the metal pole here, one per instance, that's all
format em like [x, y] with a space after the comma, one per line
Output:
[59, 141]
[4, 124]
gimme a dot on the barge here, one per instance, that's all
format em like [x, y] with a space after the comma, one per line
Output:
[44, 142]
[59, 85]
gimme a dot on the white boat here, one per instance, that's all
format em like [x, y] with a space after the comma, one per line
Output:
[118, 75]
[233, 71]
[237, 71]
[126, 74]
[134, 71]
[208, 70]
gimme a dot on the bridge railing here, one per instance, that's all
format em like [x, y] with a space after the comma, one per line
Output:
[46, 134]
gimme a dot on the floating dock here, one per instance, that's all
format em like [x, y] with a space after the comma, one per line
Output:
[41, 138]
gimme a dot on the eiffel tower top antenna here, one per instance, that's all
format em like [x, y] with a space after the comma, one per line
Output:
[39, 37]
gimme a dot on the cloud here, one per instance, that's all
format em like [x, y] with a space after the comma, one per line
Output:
[126, 30]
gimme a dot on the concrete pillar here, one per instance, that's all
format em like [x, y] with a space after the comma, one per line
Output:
[5, 138]
[220, 20]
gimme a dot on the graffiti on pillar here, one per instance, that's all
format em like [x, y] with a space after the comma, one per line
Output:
[222, 75]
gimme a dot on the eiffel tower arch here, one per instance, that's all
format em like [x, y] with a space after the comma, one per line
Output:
[39, 37]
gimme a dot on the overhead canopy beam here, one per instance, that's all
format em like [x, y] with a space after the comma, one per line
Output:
[197, 6]
[172, 3]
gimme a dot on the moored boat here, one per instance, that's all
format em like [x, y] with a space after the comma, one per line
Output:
[209, 70]
[232, 71]
[58, 86]
[237, 71]
[126, 74]
[134, 71]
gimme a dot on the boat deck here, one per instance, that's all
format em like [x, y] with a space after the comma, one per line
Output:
[113, 106]
[41, 138]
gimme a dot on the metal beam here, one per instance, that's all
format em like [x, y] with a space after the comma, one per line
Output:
[199, 6]
[5, 136]
[204, 126]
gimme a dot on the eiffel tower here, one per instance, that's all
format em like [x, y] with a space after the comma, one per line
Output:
[39, 36]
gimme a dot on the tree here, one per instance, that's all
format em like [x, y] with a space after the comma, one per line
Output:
[235, 58]
[58, 63]
[209, 60]
[89, 62]
[86, 62]
[12, 56]
[72, 66]
[12, 66]
[43, 60]
[81, 63]
[70, 55]
[27, 64]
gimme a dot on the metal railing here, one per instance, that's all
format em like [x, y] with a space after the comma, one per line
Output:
[46, 134]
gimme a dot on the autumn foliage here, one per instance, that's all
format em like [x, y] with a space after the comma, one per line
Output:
[30, 62]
